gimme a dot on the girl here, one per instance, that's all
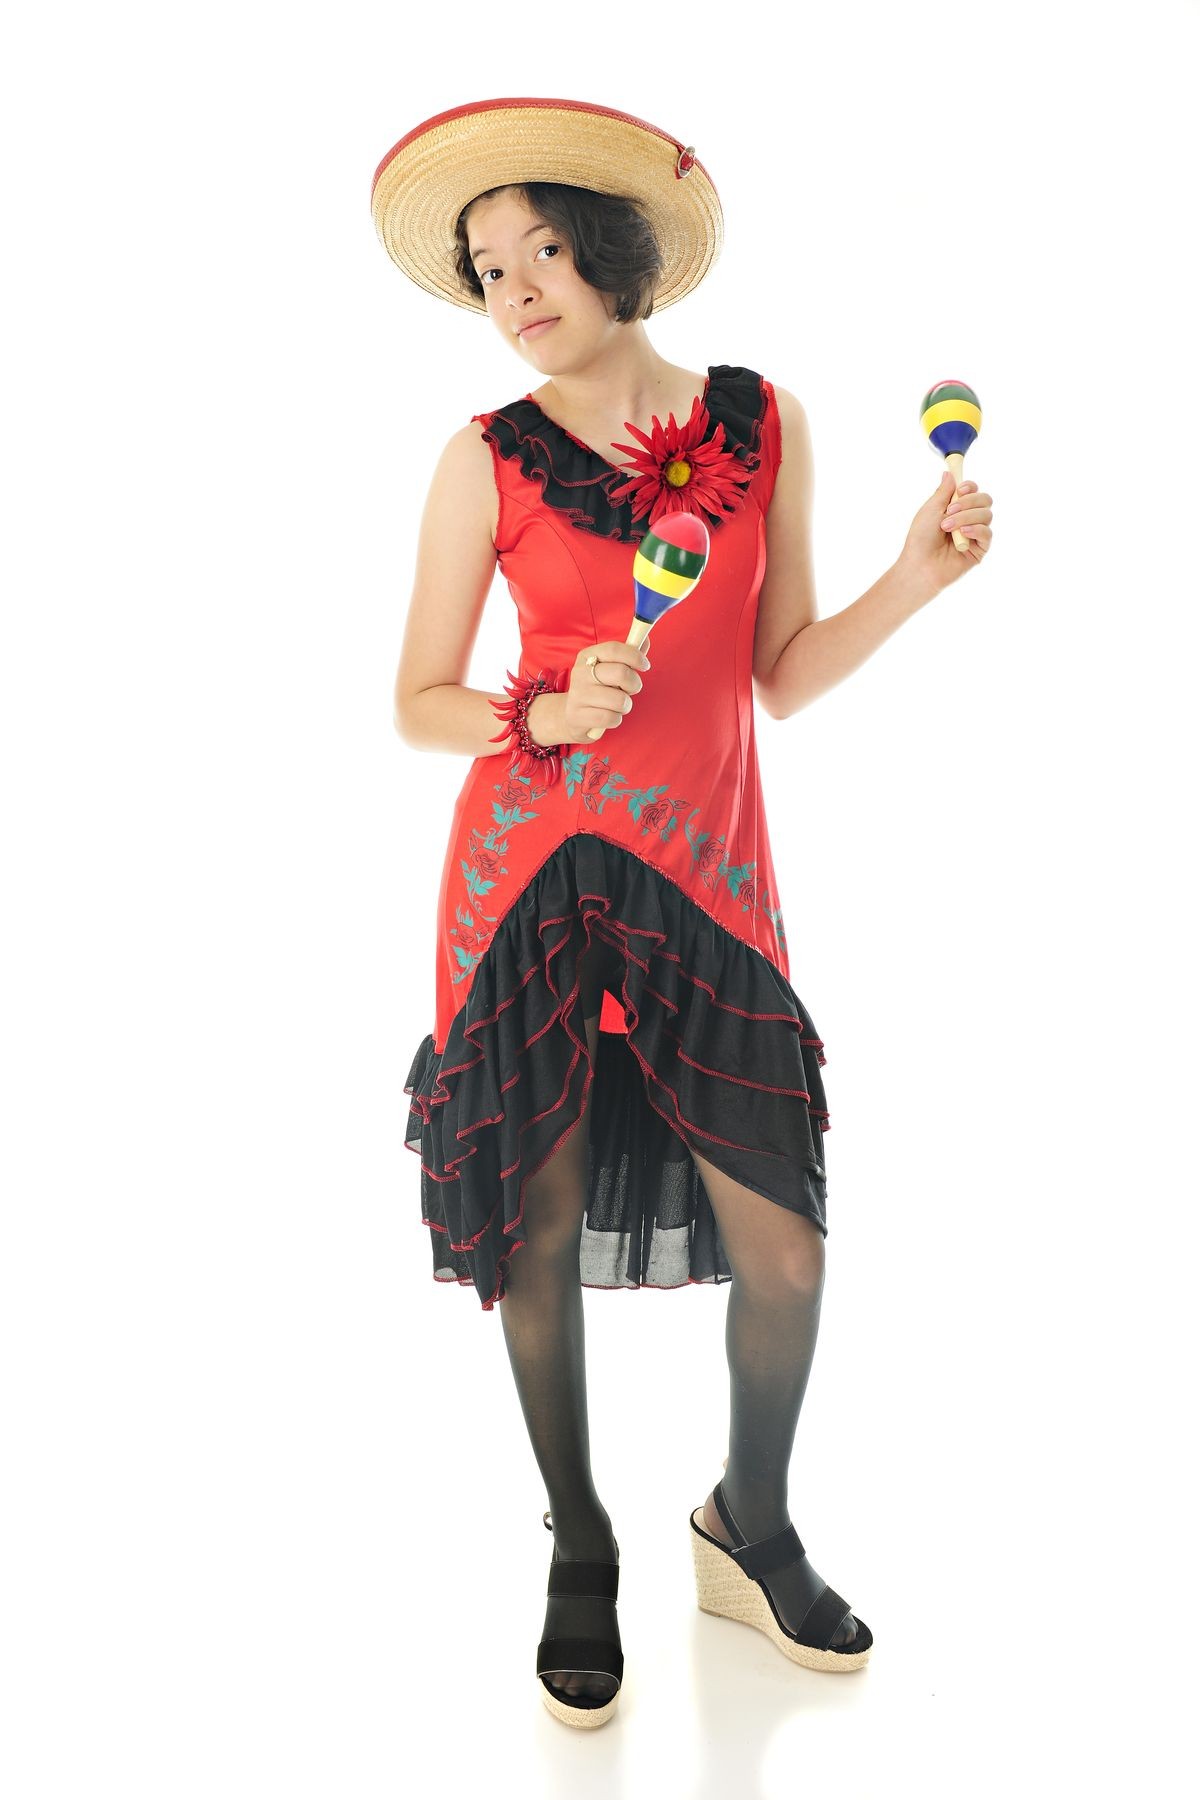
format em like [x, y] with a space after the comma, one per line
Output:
[623, 1088]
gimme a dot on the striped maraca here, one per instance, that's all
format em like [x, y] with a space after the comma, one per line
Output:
[951, 419]
[667, 564]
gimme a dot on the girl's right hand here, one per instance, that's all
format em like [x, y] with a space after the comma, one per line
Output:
[601, 694]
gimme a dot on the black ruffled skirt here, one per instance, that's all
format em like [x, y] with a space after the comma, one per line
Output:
[718, 1054]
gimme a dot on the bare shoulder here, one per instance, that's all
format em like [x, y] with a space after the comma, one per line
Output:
[465, 476]
[793, 420]
[467, 452]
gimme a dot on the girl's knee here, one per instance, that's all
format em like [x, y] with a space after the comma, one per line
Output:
[771, 1249]
[790, 1266]
[552, 1216]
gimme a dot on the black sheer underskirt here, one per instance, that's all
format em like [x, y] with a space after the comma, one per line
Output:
[718, 1054]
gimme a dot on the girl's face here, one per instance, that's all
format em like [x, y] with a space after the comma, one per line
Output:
[528, 274]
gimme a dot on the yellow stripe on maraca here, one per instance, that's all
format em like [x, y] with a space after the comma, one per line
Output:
[660, 580]
[957, 412]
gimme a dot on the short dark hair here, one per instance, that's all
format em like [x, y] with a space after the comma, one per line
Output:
[612, 242]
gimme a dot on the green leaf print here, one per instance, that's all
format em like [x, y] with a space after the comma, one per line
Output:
[648, 807]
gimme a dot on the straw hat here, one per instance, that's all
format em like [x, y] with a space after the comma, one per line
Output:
[425, 180]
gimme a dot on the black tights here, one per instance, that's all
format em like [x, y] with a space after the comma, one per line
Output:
[777, 1259]
[542, 1313]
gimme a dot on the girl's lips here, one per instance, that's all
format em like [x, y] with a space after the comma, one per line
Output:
[532, 331]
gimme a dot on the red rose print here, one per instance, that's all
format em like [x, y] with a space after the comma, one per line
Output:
[655, 816]
[486, 860]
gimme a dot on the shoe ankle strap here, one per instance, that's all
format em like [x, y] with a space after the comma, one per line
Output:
[765, 1556]
[587, 1580]
[770, 1554]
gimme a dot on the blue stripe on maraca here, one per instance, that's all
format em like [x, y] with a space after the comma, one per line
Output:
[649, 606]
[953, 436]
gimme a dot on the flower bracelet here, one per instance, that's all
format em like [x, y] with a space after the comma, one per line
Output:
[530, 757]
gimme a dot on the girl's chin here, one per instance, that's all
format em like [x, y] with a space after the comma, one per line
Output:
[532, 346]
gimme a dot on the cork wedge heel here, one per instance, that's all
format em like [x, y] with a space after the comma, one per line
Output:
[729, 1584]
[594, 1581]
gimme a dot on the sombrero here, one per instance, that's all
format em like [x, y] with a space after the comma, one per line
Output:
[425, 180]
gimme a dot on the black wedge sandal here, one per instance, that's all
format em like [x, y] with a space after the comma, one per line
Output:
[729, 1583]
[580, 1655]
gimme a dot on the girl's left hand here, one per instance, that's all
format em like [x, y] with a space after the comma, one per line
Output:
[929, 549]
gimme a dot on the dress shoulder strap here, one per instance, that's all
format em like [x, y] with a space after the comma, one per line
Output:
[484, 420]
[772, 436]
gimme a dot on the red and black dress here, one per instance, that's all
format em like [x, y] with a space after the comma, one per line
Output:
[652, 840]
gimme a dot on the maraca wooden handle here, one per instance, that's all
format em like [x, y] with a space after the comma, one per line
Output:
[954, 463]
[639, 631]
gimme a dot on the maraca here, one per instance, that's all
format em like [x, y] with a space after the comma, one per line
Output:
[667, 564]
[951, 419]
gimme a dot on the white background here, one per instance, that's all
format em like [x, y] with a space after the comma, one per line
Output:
[273, 1522]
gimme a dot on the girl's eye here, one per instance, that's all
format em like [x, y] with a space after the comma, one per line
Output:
[484, 273]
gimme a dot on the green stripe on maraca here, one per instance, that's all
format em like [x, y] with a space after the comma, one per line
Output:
[658, 580]
[950, 390]
[656, 550]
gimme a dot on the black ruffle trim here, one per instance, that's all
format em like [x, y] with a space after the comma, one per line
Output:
[718, 1052]
[576, 479]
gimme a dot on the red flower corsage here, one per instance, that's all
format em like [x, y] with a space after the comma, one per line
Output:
[530, 757]
[679, 471]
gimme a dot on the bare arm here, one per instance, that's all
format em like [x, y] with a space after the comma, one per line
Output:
[798, 657]
[456, 560]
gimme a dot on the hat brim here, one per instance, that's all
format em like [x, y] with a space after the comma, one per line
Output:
[424, 181]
